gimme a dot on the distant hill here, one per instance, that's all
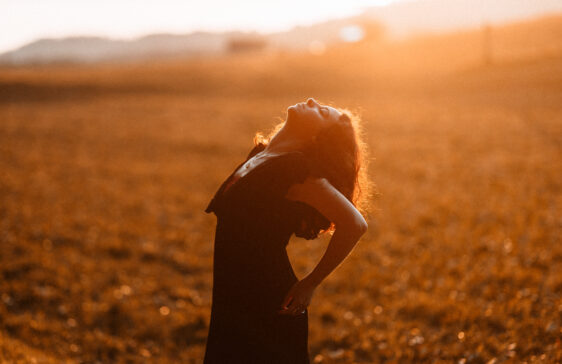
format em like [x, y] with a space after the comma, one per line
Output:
[96, 49]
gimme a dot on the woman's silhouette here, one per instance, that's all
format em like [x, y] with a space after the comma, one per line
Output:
[307, 178]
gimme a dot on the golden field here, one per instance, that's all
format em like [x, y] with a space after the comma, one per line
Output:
[105, 170]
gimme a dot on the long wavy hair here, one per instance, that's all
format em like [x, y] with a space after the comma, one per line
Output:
[339, 154]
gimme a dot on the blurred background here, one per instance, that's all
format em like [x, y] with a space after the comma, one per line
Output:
[120, 119]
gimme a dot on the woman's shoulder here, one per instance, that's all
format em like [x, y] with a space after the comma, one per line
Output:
[255, 150]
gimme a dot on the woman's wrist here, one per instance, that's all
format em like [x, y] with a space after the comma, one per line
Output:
[312, 280]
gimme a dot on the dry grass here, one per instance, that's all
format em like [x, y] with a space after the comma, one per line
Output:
[106, 253]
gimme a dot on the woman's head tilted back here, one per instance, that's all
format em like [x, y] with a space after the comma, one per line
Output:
[331, 138]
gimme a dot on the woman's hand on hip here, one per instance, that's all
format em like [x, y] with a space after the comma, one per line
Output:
[298, 298]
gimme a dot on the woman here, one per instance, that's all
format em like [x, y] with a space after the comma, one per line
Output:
[305, 179]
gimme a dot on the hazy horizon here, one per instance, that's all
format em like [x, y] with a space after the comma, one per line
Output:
[29, 21]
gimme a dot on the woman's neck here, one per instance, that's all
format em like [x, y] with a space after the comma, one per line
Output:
[284, 141]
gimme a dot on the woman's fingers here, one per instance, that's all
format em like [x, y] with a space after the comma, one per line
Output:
[286, 301]
[298, 310]
[296, 300]
[294, 309]
[288, 309]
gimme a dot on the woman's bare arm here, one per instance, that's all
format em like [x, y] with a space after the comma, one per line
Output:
[350, 224]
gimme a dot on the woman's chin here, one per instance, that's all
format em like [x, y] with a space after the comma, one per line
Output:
[292, 110]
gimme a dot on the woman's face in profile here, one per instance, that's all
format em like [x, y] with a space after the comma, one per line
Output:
[310, 116]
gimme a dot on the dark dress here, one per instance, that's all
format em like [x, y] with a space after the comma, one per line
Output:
[252, 272]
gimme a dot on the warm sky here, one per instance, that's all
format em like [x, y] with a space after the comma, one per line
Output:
[22, 21]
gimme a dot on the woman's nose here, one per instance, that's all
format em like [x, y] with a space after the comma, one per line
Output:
[310, 102]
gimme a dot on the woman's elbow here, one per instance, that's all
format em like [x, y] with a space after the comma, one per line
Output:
[356, 228]
[362, 227]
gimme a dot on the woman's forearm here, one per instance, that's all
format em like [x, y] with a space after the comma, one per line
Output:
[342, 242]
